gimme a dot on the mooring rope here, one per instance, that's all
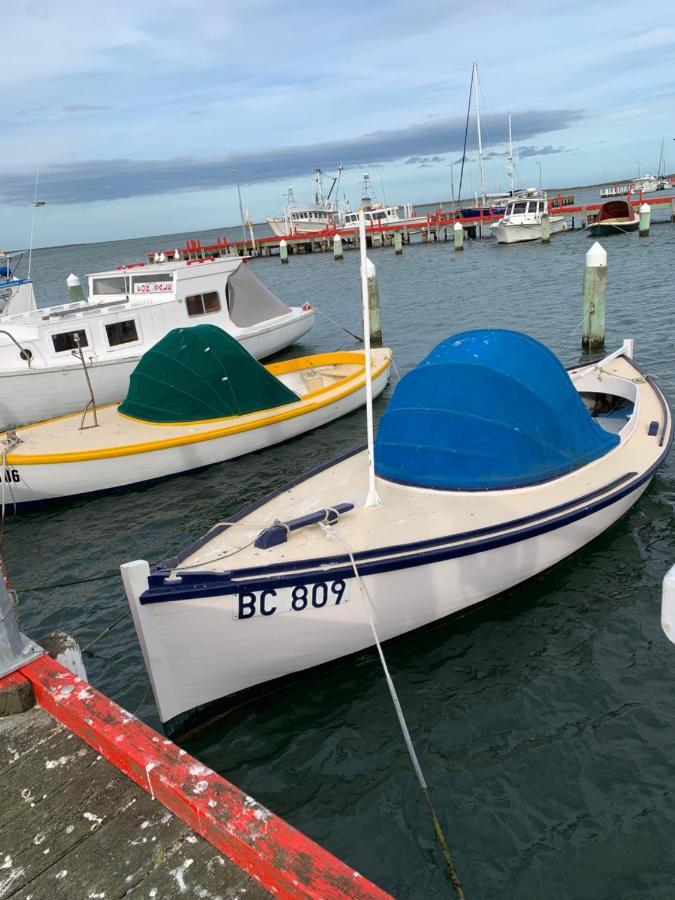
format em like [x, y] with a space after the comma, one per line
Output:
[337, 325]
[438, 829]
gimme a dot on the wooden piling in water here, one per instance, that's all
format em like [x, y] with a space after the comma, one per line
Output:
[283, 251]
[458, 235]
[337, 247]
[398, 243]
[595, 288]
[545, 229]
[645, 219]
[373, 305]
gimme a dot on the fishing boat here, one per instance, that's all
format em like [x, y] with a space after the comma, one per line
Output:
[614, 217]
[127, 311]
[196, 398]
[522, 218]
[492, 463]
[378, 214]
[308, 218]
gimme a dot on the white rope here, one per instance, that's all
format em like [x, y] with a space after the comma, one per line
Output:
[330, 533]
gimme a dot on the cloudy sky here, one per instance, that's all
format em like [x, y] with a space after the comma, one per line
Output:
[136, 113]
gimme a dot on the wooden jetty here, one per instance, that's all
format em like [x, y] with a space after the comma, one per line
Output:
[438, 226]
[97, 805]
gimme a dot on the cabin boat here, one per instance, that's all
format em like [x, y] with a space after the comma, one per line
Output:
[196, 398]
[470, 497]
[128, 310]
[308, 218]
[378, 214]
[522, 219]
[614, 217]
[645, 184]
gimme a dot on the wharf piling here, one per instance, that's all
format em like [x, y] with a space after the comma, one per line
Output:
[645, 219]
[74, 288]
[283, 251]
[458, 235]
[398, 243]
[595, 288]
[545, 229]
[337, 247]
[374, 305]
[672, 210]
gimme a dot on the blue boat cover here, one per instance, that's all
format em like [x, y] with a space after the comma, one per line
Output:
[486, 410]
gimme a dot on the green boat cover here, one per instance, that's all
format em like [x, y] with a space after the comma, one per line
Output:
[200, 373]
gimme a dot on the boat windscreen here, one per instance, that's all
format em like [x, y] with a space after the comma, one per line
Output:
[486, 410]
[200, 373]
[249, 301]
[615, 209]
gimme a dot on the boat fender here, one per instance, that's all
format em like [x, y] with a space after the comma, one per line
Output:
[278, 531]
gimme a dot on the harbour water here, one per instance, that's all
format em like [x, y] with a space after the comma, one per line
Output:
[544, 721]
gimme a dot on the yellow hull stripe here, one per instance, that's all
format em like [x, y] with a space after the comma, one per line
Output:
[315, 400]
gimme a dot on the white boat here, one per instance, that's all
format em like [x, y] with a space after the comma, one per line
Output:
[645, 184]
[128, 310]
[492, 463]
[378, 214]
[308, 218]
[195, 398]
[522, 218]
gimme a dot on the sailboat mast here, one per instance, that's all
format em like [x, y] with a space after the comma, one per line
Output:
[372, 499]
[480, 138]
[509, 168]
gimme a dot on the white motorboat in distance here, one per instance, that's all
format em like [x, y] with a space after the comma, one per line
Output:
[492, 463]
[522, 219]
[128, 310]
[196, 398]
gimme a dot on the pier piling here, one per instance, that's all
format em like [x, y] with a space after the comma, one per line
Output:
[283, 251]
[545, 229]
[398, 243]
[337, 247]
[595, 288]
[374, 305]
[458, 235]
[74, 288]
[645, 219]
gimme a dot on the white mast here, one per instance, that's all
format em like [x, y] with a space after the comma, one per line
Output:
[480, 139]
[319, 188]
[372, 499]
[509, 160]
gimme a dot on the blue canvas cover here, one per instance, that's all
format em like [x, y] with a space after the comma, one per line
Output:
[486, 410]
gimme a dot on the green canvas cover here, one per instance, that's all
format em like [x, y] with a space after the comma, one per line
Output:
[200, 373]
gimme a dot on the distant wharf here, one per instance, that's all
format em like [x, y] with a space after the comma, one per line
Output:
[97, 805]
[438, 227]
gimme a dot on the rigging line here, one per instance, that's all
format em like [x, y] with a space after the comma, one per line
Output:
[337, 324]
[466, 134]
[438, 828]
[107, 630]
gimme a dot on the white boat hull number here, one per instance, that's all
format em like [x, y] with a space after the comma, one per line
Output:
[297, 599]
[11, 475]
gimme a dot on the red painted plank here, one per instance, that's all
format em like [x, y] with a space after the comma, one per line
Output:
[278, 856]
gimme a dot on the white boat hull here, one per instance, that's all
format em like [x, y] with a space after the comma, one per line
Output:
[37, 482]
[198, 651]
[513, 233]
[33, 395]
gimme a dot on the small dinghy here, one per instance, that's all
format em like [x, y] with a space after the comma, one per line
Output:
[196, 398]
[492, 463]
[614, 217]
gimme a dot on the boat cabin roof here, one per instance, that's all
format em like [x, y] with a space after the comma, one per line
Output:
[616, 209]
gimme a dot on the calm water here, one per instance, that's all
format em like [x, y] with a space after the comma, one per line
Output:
[544, 722]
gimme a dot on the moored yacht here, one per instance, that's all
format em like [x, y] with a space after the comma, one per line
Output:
[522, 218]
[43, 351]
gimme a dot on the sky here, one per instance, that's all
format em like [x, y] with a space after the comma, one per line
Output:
[141, 117]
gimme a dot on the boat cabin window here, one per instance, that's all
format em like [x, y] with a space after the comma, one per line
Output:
[202, 304]
[160, 282]
[121, 332]
[115, 284]
[519, 207]
[66, 340]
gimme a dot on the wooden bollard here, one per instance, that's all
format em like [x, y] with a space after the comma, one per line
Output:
[645, 219]
[283, 251]
[545, 229]
[398, 243]
[373, 305]
[672, 210]
[458, 235]
[337, 247]
[595, 287]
